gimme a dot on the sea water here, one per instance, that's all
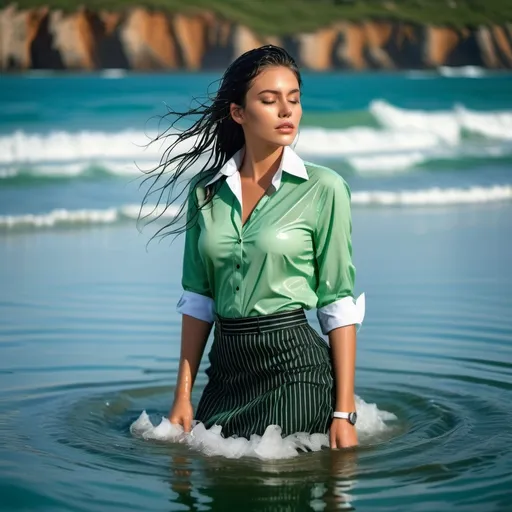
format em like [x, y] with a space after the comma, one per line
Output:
[89, 335]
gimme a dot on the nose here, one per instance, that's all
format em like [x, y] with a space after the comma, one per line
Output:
[285, 110]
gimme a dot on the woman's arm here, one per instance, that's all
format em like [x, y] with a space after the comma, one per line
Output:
[338, 312]
[194, 335]
[343, 349]
[197, 308]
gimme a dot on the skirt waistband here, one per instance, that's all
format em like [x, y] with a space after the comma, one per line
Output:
[262, 323]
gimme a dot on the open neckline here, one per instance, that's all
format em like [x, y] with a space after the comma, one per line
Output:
[258, 204]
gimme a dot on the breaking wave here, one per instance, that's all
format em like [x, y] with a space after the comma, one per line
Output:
[401, 139]
[129, 213]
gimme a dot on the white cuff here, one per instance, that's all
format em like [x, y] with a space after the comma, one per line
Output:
[196, 305]
[346, 311]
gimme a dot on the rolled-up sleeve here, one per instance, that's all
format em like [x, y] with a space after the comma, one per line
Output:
[197, 298]
[336, 305]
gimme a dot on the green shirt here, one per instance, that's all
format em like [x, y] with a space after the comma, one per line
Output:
[294, 251]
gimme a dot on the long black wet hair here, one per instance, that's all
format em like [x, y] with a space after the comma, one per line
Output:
[214, 134]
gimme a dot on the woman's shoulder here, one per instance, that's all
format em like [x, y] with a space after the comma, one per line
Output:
[326, 178]
[198, 182]
[200, 179]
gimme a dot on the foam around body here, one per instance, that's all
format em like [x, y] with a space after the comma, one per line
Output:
[271, 445]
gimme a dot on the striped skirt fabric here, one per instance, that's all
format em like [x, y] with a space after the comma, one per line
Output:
[267, 370]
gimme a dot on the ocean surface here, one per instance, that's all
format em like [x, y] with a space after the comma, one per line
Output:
[89, 335]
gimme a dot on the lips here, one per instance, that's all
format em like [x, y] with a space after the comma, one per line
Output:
[285, 126]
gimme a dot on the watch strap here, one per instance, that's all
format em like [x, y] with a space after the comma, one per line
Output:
[341, 415]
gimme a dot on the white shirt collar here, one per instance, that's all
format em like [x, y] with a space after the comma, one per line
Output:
[290, 163]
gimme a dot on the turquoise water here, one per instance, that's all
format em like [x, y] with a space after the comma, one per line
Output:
[89, 336]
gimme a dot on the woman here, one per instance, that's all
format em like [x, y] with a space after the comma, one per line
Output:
[267, 236]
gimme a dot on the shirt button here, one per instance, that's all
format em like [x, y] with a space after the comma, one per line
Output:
[239, 240]
[237, 288]
[238, 266]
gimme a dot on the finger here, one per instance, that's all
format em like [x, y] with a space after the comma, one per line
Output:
[176, 420]
[187, 423]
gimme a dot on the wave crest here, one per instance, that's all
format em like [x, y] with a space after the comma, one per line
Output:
[85, 217]
[403, 139]
[128, 213]
[448, 126]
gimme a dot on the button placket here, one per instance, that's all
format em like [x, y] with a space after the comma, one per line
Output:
[238, 254]
[236, 218]
[238, 272]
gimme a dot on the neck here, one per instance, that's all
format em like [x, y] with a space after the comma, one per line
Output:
[260, 161]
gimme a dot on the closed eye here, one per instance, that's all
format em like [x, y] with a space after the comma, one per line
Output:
[270, 102]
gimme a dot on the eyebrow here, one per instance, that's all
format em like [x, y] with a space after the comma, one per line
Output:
[272, 91]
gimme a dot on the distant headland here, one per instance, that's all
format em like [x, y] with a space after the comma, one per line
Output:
[323, 35]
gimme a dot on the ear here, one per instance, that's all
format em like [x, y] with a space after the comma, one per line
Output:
[237, 113]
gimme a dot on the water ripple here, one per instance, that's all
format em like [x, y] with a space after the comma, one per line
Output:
[104, 354]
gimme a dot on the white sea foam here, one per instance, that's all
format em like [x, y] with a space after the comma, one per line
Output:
[271, 445]
[66, 154]
[405, 139]
[434, 196]
[496, 125]
[462, 71]
[448, 126]
[128, 213]
[362, 141]
[62, 217]
[391, 162]
[66, 147]
[448, 72]
[442, 126]
[114, 73]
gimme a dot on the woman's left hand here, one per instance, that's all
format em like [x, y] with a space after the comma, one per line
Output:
[342, 434]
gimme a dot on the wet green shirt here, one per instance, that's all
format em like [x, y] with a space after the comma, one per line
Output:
[294, 251]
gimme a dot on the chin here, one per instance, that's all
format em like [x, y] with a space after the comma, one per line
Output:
[284, 140]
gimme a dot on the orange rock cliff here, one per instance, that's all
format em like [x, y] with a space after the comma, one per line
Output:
[143, 39]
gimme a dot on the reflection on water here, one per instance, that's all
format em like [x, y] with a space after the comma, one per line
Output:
[318, 482]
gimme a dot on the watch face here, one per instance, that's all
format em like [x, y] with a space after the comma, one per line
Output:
[352, 417]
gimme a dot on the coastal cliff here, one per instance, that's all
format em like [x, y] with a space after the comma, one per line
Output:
[139, 38]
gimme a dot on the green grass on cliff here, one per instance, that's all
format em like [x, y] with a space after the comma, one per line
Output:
[281, 17]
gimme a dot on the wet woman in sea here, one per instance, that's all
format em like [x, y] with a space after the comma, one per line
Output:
[267, 236]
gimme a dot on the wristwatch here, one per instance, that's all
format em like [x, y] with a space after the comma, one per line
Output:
[350, 416]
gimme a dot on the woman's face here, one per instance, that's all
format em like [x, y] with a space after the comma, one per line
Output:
[272, 110]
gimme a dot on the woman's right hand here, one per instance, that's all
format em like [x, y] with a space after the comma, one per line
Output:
[182, 413]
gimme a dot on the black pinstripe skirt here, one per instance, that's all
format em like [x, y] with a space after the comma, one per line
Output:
[267, 370]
